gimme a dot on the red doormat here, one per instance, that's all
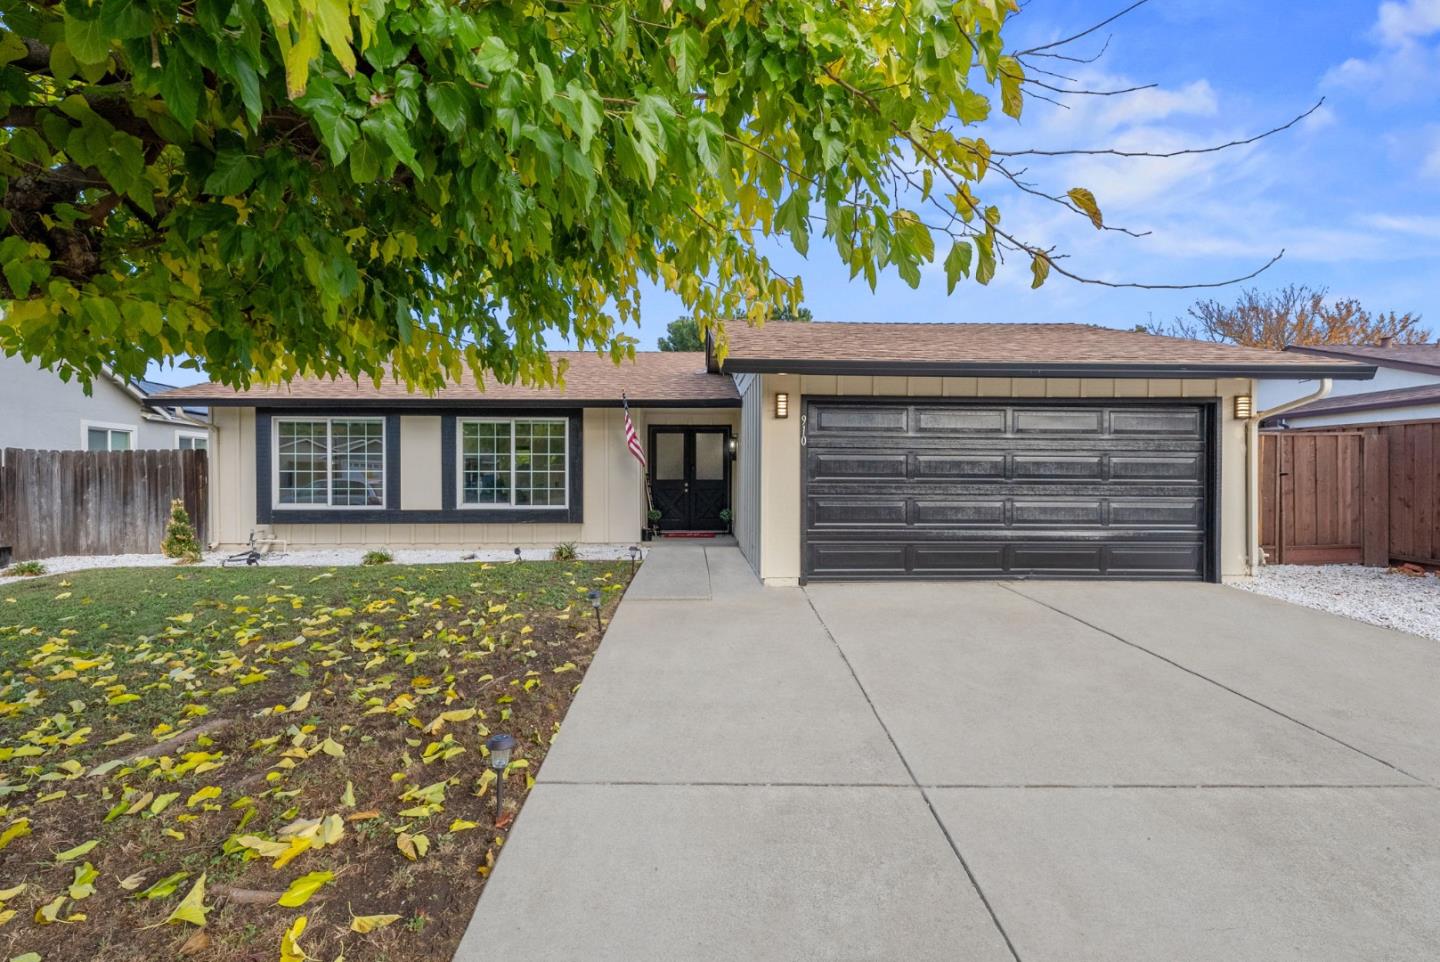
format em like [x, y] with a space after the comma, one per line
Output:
[689, 534]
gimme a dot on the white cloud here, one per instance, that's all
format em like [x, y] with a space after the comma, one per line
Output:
[1414, 224]
[1401, 21]
[1407, 64]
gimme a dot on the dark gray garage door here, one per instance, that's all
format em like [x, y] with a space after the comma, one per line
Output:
[933, 489]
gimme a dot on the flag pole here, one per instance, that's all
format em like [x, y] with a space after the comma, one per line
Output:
[632, 441]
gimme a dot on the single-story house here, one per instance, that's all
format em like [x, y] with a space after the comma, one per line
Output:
[846, 451]
[115, 416]
[1406, 388]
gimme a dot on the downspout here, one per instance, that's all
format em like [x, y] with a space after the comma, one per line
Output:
[1252, 448]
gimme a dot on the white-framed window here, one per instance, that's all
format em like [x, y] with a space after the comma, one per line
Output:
[514, 462]
[192, 440]
[104, 436]
[329, 462]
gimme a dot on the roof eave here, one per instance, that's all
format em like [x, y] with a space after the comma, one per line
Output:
[1397, 363]
[374, 403]
[755, 365]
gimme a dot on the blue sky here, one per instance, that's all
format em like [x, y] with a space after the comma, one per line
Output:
[1352, 194]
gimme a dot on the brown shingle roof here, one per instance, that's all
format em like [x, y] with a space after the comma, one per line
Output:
[1006, 350]
[653, 378]
[1411, 357]
[1394, 400]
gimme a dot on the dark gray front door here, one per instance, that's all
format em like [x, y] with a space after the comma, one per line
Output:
[975, 489]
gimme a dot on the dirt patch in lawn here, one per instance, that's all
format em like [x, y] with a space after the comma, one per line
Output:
[237, 765]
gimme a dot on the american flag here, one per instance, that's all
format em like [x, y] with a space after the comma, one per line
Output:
[632, 440]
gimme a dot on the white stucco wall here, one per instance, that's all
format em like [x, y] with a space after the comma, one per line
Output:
[40, 411]
[1271, 393]
[779, 488]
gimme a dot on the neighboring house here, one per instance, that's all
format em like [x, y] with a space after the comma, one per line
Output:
[860, 451]
[46, 413]
[1406, 387]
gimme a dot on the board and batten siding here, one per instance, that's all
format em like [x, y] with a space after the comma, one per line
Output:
[780, 475]
[614, 498]
[747, 496]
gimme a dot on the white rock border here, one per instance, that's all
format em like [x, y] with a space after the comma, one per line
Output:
[329, 558]
[1373, 595]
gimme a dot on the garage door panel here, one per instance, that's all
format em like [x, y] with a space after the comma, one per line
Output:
[974, 489]
[1175, 513]
[1059, 421]
[858, 465]
[1168, 468]
[860, 419]
[959, 512]
[1063, 514]
[974, 560]
[1143, 559]
[856, 559]
[951, 420]
[858, 512]
[946, 466]
[1038, 467]
[1185, 423]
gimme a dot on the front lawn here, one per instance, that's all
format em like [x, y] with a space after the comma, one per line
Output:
[263, 763]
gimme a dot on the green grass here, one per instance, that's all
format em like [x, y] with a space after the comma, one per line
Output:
[136, 601]
[288, 695]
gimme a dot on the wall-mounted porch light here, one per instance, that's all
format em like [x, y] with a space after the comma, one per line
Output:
[1244, 406]
[782, 404]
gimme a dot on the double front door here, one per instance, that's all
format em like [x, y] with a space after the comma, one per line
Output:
[690, 476]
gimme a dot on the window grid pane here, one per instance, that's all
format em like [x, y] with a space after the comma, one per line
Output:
[304, 462]
[485, 462]
[539, 463]
[513, 463]
[357, 450]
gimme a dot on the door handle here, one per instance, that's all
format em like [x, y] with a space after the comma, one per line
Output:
[687, 487]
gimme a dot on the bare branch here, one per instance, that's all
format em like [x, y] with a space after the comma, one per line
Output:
[1162, 155]
[1083, 33]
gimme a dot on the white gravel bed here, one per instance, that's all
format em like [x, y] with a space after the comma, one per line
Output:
[1372, 595]
[330, 558]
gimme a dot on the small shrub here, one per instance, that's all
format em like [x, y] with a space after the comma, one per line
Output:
[25, 569]
[565, 551]
[180, 542]
[379, 556]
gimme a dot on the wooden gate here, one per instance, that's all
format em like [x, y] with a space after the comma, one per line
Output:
[1358, 495]
[96, 502]
[1314, 512]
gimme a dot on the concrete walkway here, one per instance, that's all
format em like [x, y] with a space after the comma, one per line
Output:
[1036, 771]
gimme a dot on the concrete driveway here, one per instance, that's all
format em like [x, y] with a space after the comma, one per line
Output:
[1043, 772]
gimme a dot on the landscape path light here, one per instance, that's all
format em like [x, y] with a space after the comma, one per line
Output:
[634, 554]
[500, 746]
[594, 595]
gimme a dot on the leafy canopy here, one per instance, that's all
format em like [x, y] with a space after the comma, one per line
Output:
[343, 186]
[1294, 314]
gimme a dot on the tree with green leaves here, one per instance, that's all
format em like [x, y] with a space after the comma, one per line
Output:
[683, 333]
[407, 188]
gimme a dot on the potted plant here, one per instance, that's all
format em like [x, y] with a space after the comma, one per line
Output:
[728, 516]
[653, 531]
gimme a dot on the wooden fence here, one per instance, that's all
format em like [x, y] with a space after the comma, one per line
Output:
[96, 502]
[1366, 495]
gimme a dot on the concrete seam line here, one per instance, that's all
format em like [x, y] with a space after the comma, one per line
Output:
[1218, 684]
[924, 795]
[1160, 786]
[709, 581]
